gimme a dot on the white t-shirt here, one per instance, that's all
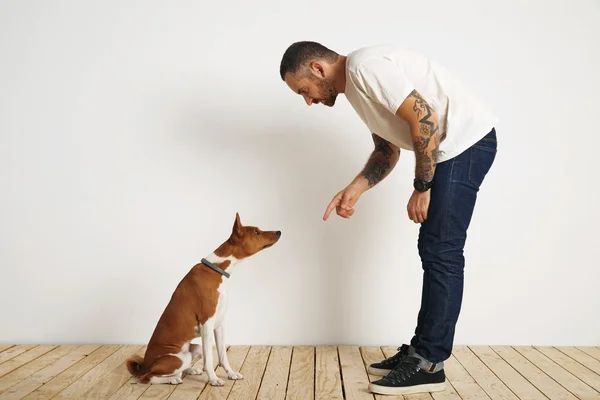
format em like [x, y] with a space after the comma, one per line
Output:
[379, 78]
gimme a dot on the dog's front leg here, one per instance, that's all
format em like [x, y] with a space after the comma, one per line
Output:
[207, 335]
[222, 352]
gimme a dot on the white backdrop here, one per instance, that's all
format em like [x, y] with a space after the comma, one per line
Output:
[132, 131]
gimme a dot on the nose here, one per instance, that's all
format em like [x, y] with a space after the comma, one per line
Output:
[278, 233]
[308, 100]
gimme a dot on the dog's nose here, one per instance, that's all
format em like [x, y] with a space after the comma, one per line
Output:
[278, 233]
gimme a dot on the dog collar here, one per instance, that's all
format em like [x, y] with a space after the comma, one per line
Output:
[214, 267]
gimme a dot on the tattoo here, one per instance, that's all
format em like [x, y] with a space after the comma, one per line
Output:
[428, 141]
[379, 162]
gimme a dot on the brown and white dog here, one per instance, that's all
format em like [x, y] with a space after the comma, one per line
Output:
[197, 309]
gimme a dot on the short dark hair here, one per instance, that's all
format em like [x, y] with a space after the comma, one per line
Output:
[299, 54]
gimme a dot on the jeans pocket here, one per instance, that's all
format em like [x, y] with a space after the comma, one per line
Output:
[480, 161]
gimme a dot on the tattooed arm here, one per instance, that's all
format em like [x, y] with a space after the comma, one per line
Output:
[381, 162]
[424, 129]
[379, 165]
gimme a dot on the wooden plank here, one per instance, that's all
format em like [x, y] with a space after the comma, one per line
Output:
[390, 351]
[14, 351]
[72, 374]
[463, 383]
[11, 379]
[507, 374]
[89, 379]
[354, 376]
[131, 390]
[48, 372]
[582, 358]
[580, 371]
[253, 370]
[193, 385]
[237, 356]
[157, 391]
[328, 382]
[24, 358]
[592, 351]
[111, 382]
[274, 382]
[492, 384]
[533, 374]
[558, 373]
[5, 346]
[448, 394]
[301, 383]
[373, 354]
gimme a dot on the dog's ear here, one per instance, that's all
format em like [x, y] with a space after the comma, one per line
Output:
[237, 226]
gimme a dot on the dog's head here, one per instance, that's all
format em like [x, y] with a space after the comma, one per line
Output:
[249, 240]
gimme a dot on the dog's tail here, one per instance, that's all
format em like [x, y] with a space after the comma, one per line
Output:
[135, 366]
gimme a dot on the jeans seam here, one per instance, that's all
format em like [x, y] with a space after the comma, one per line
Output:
[445, 218]
[483, 148]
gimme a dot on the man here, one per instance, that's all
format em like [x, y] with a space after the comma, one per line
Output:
[408, 101]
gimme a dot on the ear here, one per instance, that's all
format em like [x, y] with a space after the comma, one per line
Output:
[237, 226]
[317, 69]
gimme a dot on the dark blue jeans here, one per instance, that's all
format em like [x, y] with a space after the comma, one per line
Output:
[441, 242]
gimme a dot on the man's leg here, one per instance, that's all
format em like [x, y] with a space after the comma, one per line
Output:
[442, 239]
[441, 242]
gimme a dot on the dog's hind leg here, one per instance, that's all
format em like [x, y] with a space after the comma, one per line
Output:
[195, 351]
[166, 369]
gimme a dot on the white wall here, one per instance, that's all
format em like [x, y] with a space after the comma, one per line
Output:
[128, 129]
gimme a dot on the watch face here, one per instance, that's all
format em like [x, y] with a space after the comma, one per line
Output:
[420, 185]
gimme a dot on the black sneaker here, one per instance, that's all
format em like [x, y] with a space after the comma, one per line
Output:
[386, 366]
[408, 378]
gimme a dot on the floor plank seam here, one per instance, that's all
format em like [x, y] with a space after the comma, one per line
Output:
[577, 361]
[77, 380]
[594, 357]
[564, 369]
[314, 372]
[471, 375]
[364, 363]
[518, 372]
[545, 373]
[289, 375]
[262, 377]
[28, 362]
[513, 368]
[337, 348]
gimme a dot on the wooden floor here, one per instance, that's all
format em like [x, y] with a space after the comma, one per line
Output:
[328, 372]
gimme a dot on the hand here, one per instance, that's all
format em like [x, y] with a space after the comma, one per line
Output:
[344, 201]
[418, 205]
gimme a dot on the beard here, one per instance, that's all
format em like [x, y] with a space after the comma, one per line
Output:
[326, 91]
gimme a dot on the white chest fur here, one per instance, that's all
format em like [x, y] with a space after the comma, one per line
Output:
[214, 328]
[217, 319]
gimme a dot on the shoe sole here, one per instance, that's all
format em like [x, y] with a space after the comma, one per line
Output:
[428, 388]
[378, 371]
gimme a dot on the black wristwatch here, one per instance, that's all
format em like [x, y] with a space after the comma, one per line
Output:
[421, 185]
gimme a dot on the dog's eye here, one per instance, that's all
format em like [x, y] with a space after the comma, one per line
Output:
[257, 232]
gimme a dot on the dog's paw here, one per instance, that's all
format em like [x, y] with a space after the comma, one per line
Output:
[193, 371]
[175, 381]
[217, 382]
[234, 375]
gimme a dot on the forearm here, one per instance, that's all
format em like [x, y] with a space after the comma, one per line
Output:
[427, 144]
[382, 161]
[426, 139]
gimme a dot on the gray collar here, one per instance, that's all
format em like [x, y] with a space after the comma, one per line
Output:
[214, 267]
